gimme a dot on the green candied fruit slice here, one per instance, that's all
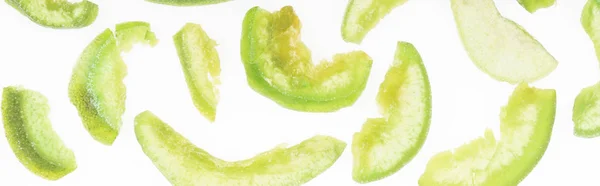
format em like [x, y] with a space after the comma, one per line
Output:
[526, 127]
[590, 20]
[57, 13]
[182, 163]
[130, 33]
[187, 2]
[278, 65]
[30, 135]
[586, 112]
[498, 46]
[96, 88]
[200, 63]
[385, 145]
[363, 15]
[533, 5]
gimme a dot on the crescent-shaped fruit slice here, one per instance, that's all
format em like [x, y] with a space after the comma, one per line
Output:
[586, 112]
[279, 66]
[533, 5]
[30, 135]
[182, 163]
[590, 20]
[200, 63]
[57, 13]
[96, 88]
[385, 145]
[187, 2]
[363, 15]
[526, 127]
[498, 46]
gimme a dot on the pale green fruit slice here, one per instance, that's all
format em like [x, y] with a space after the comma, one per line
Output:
[385, 145]
[201, 66]
[498, 46]
[526, 127]
[533, 5]
[96, 88]
[590, 20]
[363, 15]
[30, 135]
[586, 112]
[60, 14]
[130, 33]
[182, 163]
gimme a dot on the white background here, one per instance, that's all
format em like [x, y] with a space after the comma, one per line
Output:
[465, 100]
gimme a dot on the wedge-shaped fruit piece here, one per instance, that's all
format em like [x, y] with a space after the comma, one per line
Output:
[96, 88]
[200, 63]
[130, 33]
[57, 13]
[533, 5]
[586, 112]
[590, 20]
[498, 46]
[526, 127]
[363, 15]
[386, 144]
[279, 66]
[30, 134]
[182, 163]
[187, 2]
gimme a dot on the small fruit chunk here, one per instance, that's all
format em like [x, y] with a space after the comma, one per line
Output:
[526, 127]
[590, 20]
[385, 145]
[187, 2]
[586, 112]
[200, 63]
[57, 13]
[96, 88]
[279, 66]
[498, 46]
[30, 135]
[363, 15]
[182, 163]
[533, 5]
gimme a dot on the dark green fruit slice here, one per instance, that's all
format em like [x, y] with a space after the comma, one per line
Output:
[57, 13]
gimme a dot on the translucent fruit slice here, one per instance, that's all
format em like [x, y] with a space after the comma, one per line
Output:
[498, 46]
[188, 2]
[590, 20]
[57, 13]
[30, 135]
[533, 5]
[385, 145]
[586, 112]
[363, 15]
[279, 66]
[96, 88]
[182, 163]
[526, 127]
[200, 63]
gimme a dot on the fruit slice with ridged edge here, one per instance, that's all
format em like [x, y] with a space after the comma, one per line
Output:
[279, 66]
[586, 112]
[533, 5]
[96, 88]
[386, 144]
[363, 15]
[526, 127]
[498, 46]
[201, 66]
[57, 13]
[182, 163]
[30, 135]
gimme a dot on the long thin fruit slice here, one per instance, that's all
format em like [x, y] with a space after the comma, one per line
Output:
[363, 15]
[586, 112]
[526, 127]
[57, 13]
[590, 20]
[182, 163]
[96, 88]
[385, 145]
[30, 135]
[533, 5]
[498, 46]
[279, 66]
[200, 63]
[188, 2]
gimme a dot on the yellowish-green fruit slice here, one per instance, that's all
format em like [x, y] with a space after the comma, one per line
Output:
[30, 135]
[363, 15]
[586, 112]
[533, 5]
[279, 66]
[201, 66]
[385, 145]
[184, 164]
[57, 13]
[134, 32]
[96, 88]
[526, 127]
[590, 20]
[498, 46]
